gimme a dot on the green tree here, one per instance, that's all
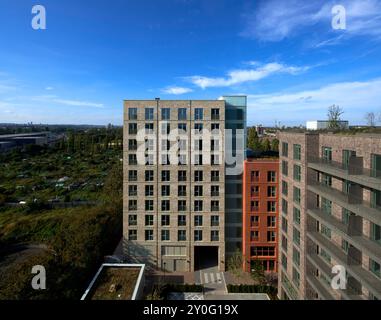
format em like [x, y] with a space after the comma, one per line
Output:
[266, 146]
[275, 145]
[334, 114]
[258, 272]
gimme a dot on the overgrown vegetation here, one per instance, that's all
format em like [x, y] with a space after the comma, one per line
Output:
[76, 239]
[245, 288]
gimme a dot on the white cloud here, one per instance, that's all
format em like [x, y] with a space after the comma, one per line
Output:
[355, 98]
[239, 76]
[49, 88]
[176, 90]
[275, 20]
[77, 103]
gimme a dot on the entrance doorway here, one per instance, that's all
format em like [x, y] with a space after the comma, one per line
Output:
[205, 257]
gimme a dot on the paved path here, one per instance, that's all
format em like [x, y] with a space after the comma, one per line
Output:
[212, 280]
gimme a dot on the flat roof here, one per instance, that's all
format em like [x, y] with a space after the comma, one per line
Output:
[115, 281]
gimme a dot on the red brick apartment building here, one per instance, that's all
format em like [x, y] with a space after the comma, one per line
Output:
[260, 212]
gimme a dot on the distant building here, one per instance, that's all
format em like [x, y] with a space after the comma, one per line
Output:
[260, 130]
[10, 141]
[324, 124]
[260, 210]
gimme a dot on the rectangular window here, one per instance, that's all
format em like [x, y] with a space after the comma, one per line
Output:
[182, 114]
[375, 232]
[375, 268]
[254, 191]
[271, 236]
[181, 220]
[132, 128]
[214, 221]
[215, 191]
[132, 113]
[295, 277]
[215, 176]
[198, 114]
[214, 235]
[182, 205]
[198, 191]
[181, 235]
[165, 191]
[165, 114]
[132, 205]
[214, 159]
[284, 188]
[296, 256]
[198, 127]
[346, 155]
[284, 224]
[132, 175]
[197, 235]
[182, 175]
[271, 191]
[198, 159]
[284, 149]
[325, 231]
[284, 168]
[214, 205]
[182, 128]
[165, 175]
[375, 165]
[297, 172]
[149, 190]
[165, 235]
[148, 220]
[297, 152]
[132, 220]
[165, 221]
[149, 113]
[215, 127]
[149, 175]
[254, 235]
[148, 235]
[132, 190]
[296, 236]
[165, 128]
[296, 215]
[198, 221]
[198, 176]
[284, 206]
[271, 206]
[254, 205]
[182, 191]
[148, 127]
[165, 205]
[148, 205]
[132, 235]
[132, 144]
[326, 205]
[262, 251]
[326, 153]
[215, 114]
[271, 176]
[198, 205]
[271, 221]
[254, 176]
[132, 160]
[297, 195]
[254, 221]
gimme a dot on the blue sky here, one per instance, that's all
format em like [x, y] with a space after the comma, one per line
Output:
[284, 55]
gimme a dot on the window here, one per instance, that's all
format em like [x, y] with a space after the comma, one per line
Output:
[271, 236]
[182, 144]
[327, 180]
[284, 168]
[182, 205]
[296, 195]
[182, 191]
[215, 114]
[284, 188]
[165, 159]
[132, 160]
[215, 176]
[325, 231]
[254, 191]
[214, 221]
[254, 205]
[284, 206]
[198, 175]
[181, 235]
[254, 235]
[148, 220]
[215, 191]
[164, 235]
[132, 144]
[284, 261]
[215, 127]
[284, 243]
[326, 206]
[132, 220]
[132, 205]
[148, 235]
[165, 145]
[375, 199]
[198, 191]
[182, 175]
[214, 235]
[296, 256]
[148, 127]
[149, 190]
[215, 205]
[198, 114]
[149, 160]
[148, 205]
[182, 128]
[165, 205]
[197, 235]
[271, 191]
[182, 114]
[198, 221]
[198, 205]
[375, 232]
[346, 155]
[165, 114]
[214, 145]
[296, 236]
[262, 251]
[198, 144]
[165, 220]
[284, 224]
[296, 277]
[296, 215]
[271, 176]
[297, 172]
[132, 175]
[132, 128]
[165, 191]
[375, 165]
[254, 176]
[181, 220]
[198, 159]
[345, 246]
[254, 221]
[149, 144]
[284, 149]
[182, 159]
[198, 127]
[271, 206]
[214, 159]
[297, 152]
[271, 221]
[165, 128]
[149, 175]
[149, 113]
[327, 153]
[132, 190]
[132, 235]
[375, 268]
[132, 113]
[165, 175]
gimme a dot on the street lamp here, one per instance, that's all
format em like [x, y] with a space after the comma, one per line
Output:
[164, 270]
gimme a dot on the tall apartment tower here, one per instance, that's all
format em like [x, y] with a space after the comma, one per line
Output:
[331, 216]
[174, 183]
[260, 212]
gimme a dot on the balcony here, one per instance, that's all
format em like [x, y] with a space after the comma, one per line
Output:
[351, 263]
[352, 232]
[351, 202]
[353, 171]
